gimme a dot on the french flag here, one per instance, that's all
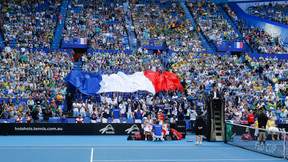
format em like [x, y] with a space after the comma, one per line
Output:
[83, 40]
[239, 44]
[150, 81]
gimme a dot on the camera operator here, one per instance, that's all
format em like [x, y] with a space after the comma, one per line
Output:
[47, 113]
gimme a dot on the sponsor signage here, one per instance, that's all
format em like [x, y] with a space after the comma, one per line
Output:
[69, 128]
[144, 42]
[158, 42]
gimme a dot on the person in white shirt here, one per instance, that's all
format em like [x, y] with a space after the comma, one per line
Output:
[108, 100]
[173, 119]
[75, 109]
[79, 119]
[122, 108]
[114, 101]
[148, 125]
[103, 99]
[90, 106]
[149, 99]
[19, 119]
[82, 107]
[129, 109]
[193, 116]
[174, 96]
[174, 110]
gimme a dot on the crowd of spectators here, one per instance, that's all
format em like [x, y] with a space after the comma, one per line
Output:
[29, 23]
[212, 22]
[103, 24]
[244, 85]
[271, 10]
[259, 40]
[32, 74]
[165, 20]
[269, 94]
[247, 85]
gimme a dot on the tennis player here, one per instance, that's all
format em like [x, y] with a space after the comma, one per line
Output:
[148, 125]
[272, 128]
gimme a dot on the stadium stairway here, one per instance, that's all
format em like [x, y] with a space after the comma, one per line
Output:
[192, 22]
[234, 25]
[58, 32]
[77, 66]
[2, 45]
[128, 20]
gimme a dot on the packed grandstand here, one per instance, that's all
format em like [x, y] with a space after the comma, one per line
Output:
[33, 81]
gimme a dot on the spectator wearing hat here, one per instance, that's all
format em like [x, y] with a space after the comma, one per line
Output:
[53, 105]
[30, 103]
[160, 116]
[59, 98]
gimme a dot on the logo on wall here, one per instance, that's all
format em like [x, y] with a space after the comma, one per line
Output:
[107, 130]
[133, 129]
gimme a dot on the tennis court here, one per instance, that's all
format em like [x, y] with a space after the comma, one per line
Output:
[117, 148]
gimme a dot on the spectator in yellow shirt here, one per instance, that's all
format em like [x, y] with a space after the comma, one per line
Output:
[59, 98]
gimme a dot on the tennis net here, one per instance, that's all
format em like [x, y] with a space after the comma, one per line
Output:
[249, 138]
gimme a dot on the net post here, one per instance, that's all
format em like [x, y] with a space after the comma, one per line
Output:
[284, 148]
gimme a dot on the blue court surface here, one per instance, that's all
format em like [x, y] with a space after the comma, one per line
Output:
[118, 149]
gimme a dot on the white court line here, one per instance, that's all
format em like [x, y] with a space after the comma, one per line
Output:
[57, 148]
[192, 160]
[109, 148]
[92, 150]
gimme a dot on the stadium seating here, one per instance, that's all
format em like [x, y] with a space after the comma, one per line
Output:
[271, 10]
[35, 76]
[32, 25]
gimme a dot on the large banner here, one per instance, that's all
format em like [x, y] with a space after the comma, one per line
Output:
[204, 54]
[75, 43]
[69, 129]
[91, 51]
[46, 50]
